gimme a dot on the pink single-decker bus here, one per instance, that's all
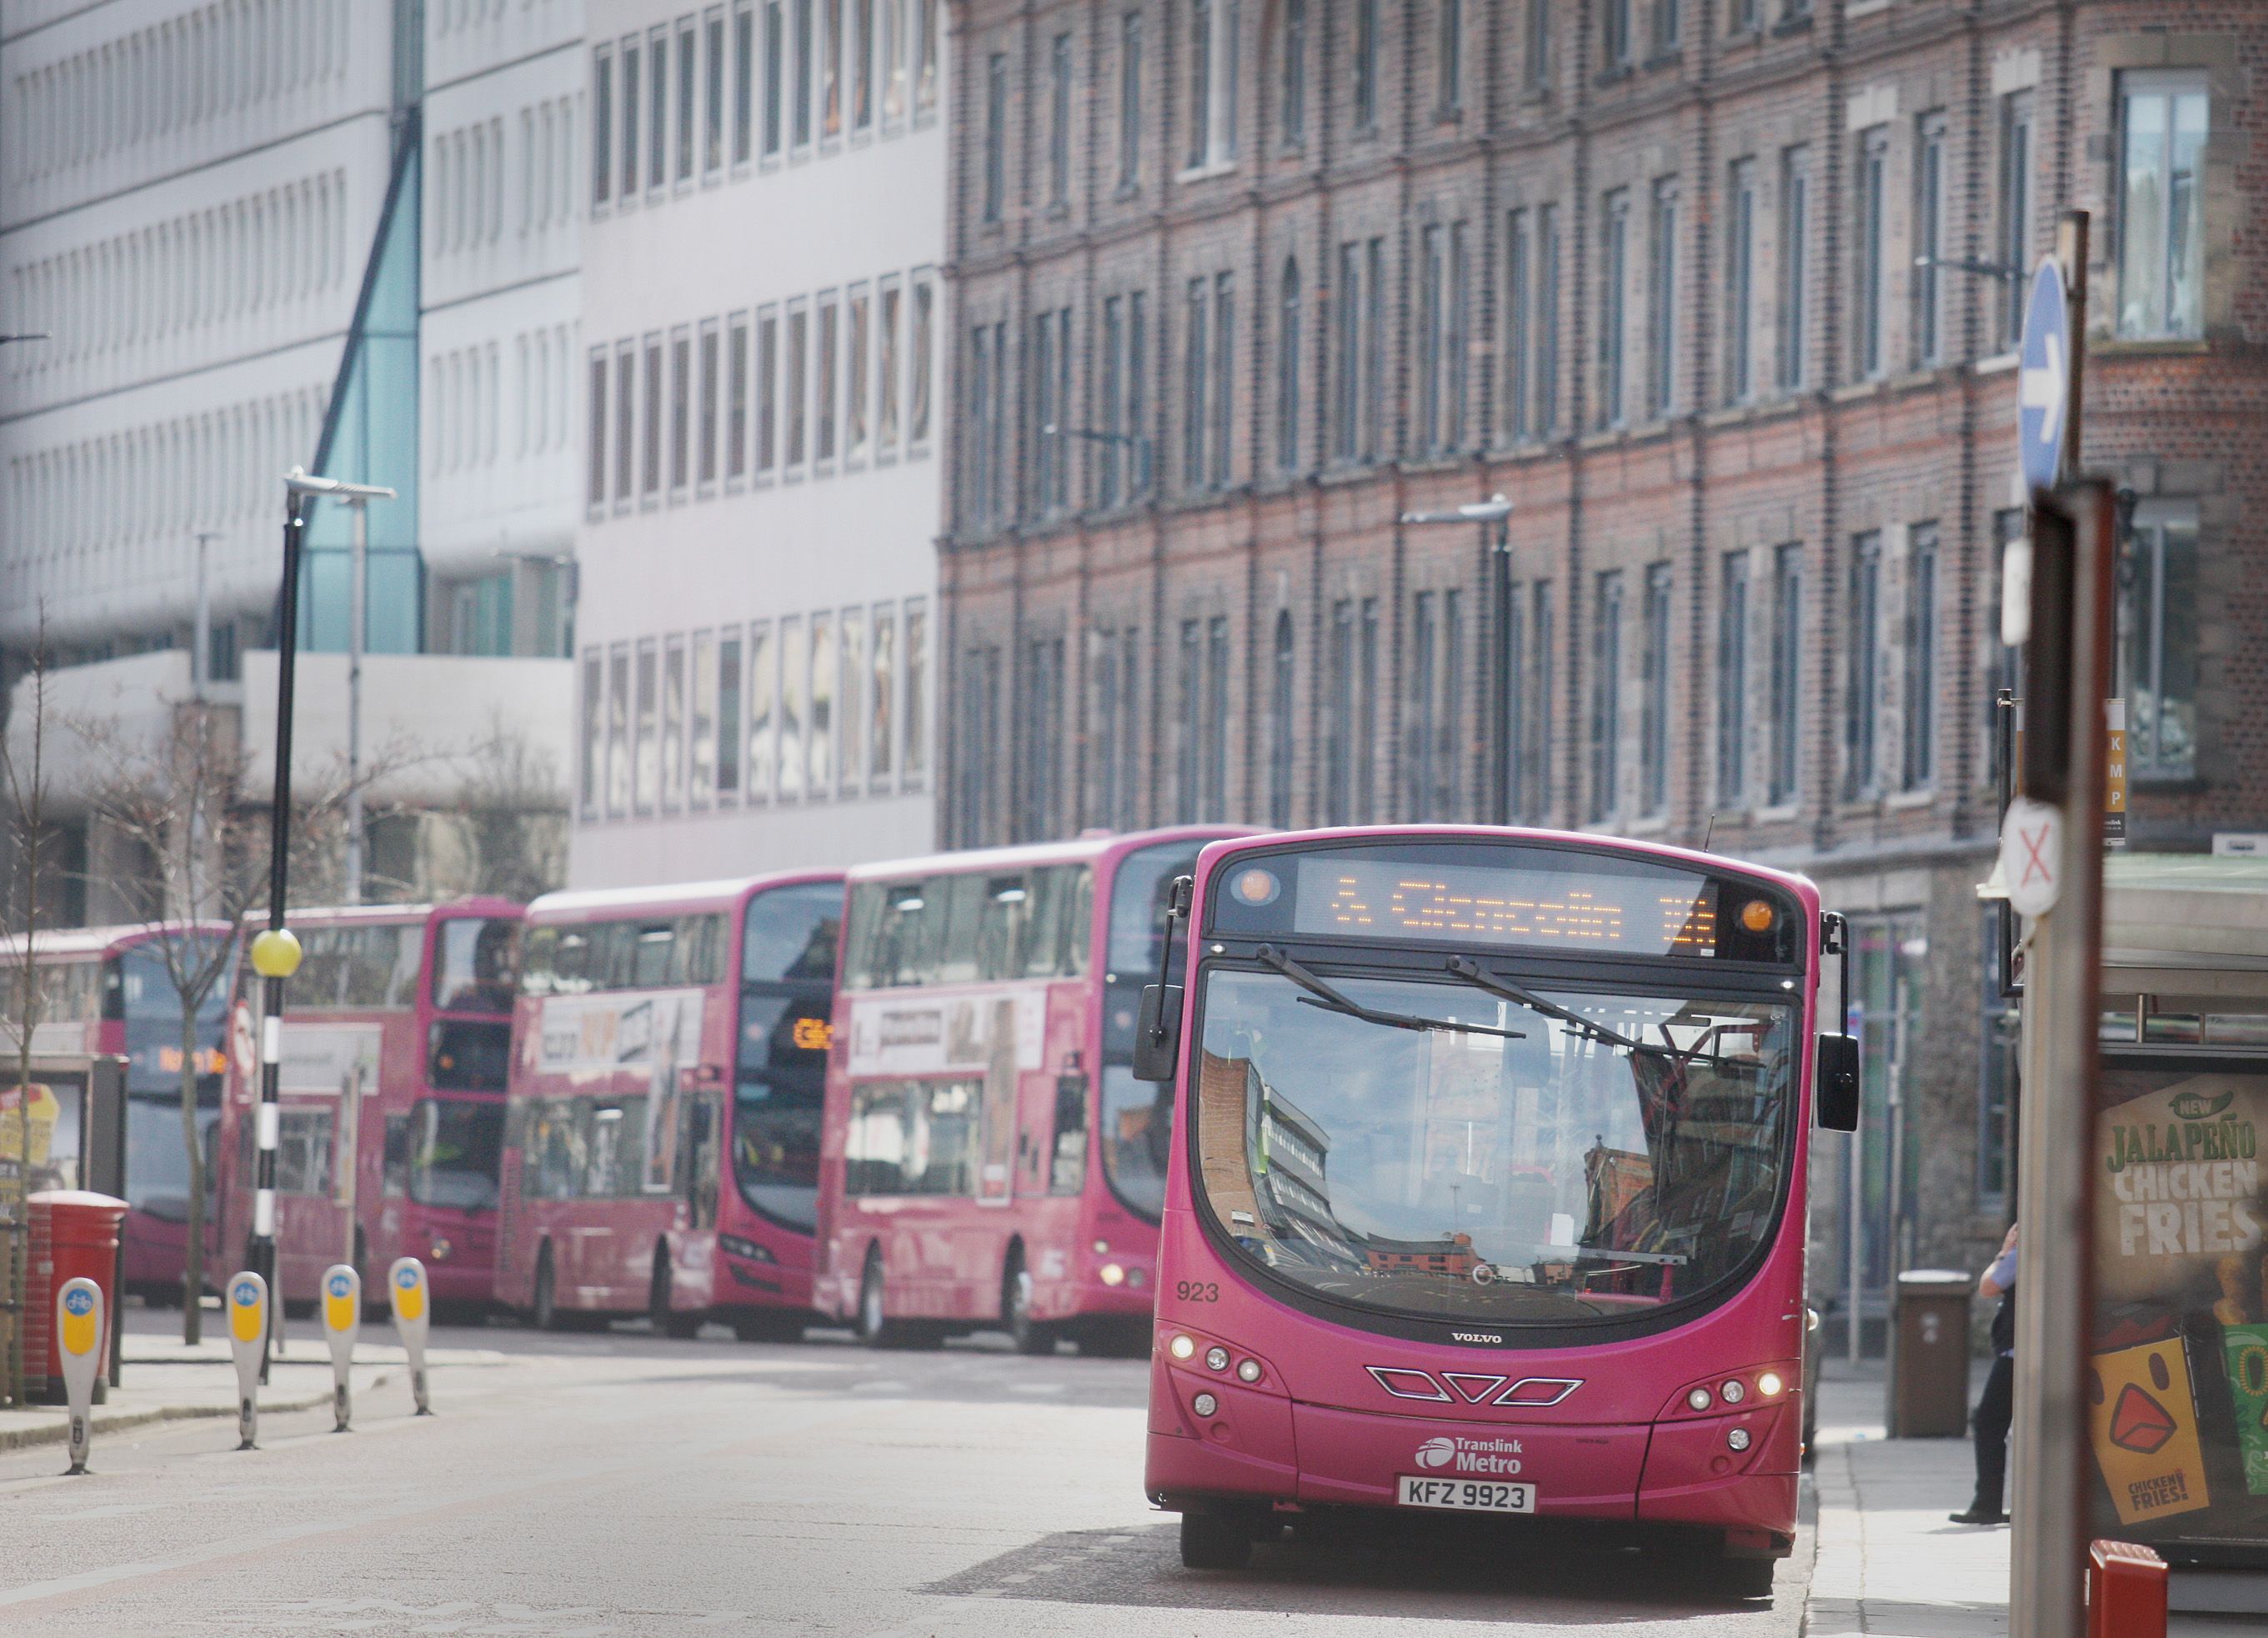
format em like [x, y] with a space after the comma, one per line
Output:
[397, 1032]
[990, 1159]
[662, 1155]
[1487, 1201]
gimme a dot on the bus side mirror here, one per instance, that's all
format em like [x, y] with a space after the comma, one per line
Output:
[1835, 1094]
[1157, 1032]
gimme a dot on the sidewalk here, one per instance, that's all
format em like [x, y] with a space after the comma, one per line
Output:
[163, 1379]
[1890, 1564]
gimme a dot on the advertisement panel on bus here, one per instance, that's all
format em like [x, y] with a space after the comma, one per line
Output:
[989, 1158]
[662, 1148]
[395, 1044]
[1487, 1192]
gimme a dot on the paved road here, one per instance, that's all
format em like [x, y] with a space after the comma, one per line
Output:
[624, 1484]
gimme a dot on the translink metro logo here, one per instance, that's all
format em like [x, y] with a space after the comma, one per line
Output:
[1471, 1455]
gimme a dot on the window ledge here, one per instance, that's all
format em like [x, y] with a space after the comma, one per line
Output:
[1854, 391]
[1206, 171]
[1668, 58]
[1798, 23]
[1906, 801]
[1783, 814]
[2149, 346]
[2168, 783]
[1357, 471]
[1614, 75]
[1999, 363]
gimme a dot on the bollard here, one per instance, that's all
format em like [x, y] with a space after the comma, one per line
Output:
[78, 1328]
[342, 1325]
[2125, 1592]
[405, 1289]
[247, 1341]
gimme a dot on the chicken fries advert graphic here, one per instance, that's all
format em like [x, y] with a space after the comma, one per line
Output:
[2142, 1418]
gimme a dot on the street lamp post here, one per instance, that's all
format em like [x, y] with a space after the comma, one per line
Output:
[1495, 513]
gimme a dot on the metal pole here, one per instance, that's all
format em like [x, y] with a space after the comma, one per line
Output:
[356, 573]
[1500, 707]
[279, 851]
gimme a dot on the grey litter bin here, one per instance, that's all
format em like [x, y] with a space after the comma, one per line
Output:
[1929, 1354]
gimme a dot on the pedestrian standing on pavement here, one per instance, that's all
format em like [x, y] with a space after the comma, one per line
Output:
[1997, 1403]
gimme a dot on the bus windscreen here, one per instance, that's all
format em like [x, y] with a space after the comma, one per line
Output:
[1500, 896]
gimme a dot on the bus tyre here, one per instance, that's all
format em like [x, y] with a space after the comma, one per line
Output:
[1215, 1541]
[873, 1328]
[1746, 1578]
[544, 1307]
[1029, 1335]
[667, 1321]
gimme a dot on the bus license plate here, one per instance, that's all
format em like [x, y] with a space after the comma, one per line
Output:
[1467, 1495]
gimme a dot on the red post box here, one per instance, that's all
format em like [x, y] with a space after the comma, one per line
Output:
[74, 1234]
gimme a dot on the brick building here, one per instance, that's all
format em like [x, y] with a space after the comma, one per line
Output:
[1239, 283]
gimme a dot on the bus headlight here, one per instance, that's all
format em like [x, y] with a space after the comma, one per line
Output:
[1112, 1275]
[1216, 1358]
[1738, 1438]
[1734, 1391]
[1205, 1405]
[1699, 1398]
[1182, 1347]
[439, 1248]
[1768, 1384]
[1249, 1371]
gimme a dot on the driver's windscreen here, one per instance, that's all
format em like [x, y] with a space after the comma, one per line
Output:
[1579, 1171]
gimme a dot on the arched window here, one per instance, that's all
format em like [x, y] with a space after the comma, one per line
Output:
[1279, 725]
[1288, 341]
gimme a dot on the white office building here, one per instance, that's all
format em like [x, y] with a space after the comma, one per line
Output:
[763, 392]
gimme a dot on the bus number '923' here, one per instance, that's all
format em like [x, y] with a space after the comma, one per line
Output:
[1198, 1291]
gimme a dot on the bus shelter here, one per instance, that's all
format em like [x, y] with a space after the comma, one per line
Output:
[2177, 1389]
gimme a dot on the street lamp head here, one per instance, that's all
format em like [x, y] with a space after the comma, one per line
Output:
[275, 953]
[300, 481]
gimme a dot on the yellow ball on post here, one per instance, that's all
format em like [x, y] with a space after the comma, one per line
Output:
[276, 954]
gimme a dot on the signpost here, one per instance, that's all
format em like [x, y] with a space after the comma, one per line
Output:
[79, 1329]
[342, 1326]
[405, 1289]
[2044, 382]
[248, 1342]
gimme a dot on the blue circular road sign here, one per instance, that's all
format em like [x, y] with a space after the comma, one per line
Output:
[2044, 377]
[78, 1302]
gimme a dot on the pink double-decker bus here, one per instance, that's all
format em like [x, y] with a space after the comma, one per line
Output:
[1487, 1192]
[989, 1158]
[110, 991]
[662, 1154]
[397, 1033]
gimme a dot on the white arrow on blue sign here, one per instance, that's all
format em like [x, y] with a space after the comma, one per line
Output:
[2044, 383]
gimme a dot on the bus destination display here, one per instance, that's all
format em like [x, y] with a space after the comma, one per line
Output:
[1660, 915]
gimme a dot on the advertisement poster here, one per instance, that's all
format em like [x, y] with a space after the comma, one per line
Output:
[2178, 1381]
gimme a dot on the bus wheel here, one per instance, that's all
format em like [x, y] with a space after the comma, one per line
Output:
[1029, 1335]
[874, 1329]
[1745, 1578]
[545, 1310]
[1215, 1541]
[667, 1321]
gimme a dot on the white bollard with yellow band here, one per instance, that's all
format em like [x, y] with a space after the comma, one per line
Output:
[405, 1289]
[79, 1329]
[342, 1326]
[247, 1303]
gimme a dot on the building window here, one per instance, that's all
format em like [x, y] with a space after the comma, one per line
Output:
[2005, 662]
[764, 712]
[672, 724]
[592, 742]
[768, 360]
[681, 411]
[1741, 281]
[996, 134]
[1130, 99]
[1050, 405]
[1606, 695]
[882, 697]
[1862, 668]
[1287, 368]
[1929, 241]
[979, 689]
[2013, 238]
[595, 481]
[1614, 34]
[625, 419]
[632, 88]
[645, 775]
[1732, 681]
[728, 717]
[1614, 285]
[736, 400]
[1662, 282]
[1366, 65]
[657, 135]
[1869, 258]
[887, 302]
[1546, 328]
[1374, 351]
[686, 67]
[1280, 698]
[1449, 57]
[828, 380]
[1787, 673]
[1214, 26]
[1347, 321]
[1059, 121]
[1539, 44]
[1187, 719]
[1794, 268]
[830, 69]
[774, 73]
[926, 64]
[1519, 324]
[857, 376]
[1349, 748]
[1116, 721]
[705, 465]
[1040, 708]
[1654, 713]
[1196, 380]
[618, 732]
[894, 64]
[1213, 772]
[1918, 693]
[744, 82]
[1437, 674]
[2158, 648]
[862, 74]
[602, 125]
[2163, 122]
[805, 25]
[1532, 656]
[917, 684]
[824, 725]
[712, 131]
[1293, 93]
[1432, 321]
[1224, 374]
[922, 355]
[798, 384]
[650, 475]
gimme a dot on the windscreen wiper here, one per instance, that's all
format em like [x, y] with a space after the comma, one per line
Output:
[1473, 973]
[1330, 1000]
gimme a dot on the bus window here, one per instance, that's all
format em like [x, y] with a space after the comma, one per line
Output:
[396, 1178]
[303, 1151]
[778, 1093]
[476, 964]
[650, 956]
[456, 1149]
[1068, 1173]
[1138, 1117]
[369, 968]
[790, 934]
[915, 1137]
[464, 1055]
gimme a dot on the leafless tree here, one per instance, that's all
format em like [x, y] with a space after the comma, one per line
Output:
[25, 780]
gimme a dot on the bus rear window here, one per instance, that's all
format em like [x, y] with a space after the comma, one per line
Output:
[790, 934]
[476, 964]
